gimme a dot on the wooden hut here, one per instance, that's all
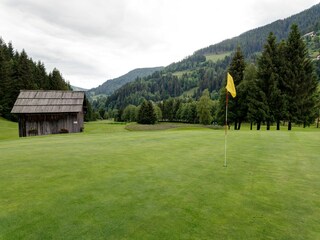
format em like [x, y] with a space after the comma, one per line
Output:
[49, 112]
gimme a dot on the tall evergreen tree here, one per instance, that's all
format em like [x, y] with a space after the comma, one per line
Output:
[146, 114]
[17, 72]
[5, 72]
[237, 109]
[255, 97]
[23, 72]
[281, 103]
[300, 82]
[41, 76]
[56, 81]
[89, 114]
[268, 80]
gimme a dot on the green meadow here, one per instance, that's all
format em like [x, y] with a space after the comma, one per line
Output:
[216, 57]
[118, 181]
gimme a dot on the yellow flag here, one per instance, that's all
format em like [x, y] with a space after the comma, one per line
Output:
[230, 86]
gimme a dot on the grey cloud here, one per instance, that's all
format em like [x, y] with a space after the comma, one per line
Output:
[90, 41]
[98, 18]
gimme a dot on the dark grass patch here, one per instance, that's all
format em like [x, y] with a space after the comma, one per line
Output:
[161, 126]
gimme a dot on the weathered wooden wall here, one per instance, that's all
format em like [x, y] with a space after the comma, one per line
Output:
[43, 124]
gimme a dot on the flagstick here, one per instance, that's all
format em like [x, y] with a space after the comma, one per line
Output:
[226, 132]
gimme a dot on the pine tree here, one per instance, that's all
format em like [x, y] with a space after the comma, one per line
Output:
[255, 97]
[146, 113]
[41, 76]
[17, 72]
[300, 82]
[237, 109]
[89, 114]
[5, 72]
[23, 72]
[268, 80]
[56, 81]
[281, 103]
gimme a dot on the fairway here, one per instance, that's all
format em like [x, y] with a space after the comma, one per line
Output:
[111, 183]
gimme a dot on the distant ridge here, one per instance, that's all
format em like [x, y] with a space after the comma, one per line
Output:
[108, 87]
[190, 76]
[253, 40]
[74, 88]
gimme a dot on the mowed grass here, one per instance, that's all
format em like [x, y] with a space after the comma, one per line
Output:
[216, 57]
[111, 183]
[8, 130]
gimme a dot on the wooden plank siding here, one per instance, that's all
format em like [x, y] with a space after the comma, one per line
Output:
[49, 112]
[43, 124]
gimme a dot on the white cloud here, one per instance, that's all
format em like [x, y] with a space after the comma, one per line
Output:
[92, 41]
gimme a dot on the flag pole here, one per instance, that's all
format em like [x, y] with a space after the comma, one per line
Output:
[232, 90]
[226, 132]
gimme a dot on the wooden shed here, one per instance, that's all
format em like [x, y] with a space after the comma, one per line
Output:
[49, 112]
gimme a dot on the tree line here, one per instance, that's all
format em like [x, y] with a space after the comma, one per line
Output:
[281, 87]
[166, 84]
[171, 110]
[18, 71]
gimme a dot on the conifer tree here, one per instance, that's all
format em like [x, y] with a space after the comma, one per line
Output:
[22, 72]
[4, 83]
[146, 114]
[17, 72]
[268, 76]
[255, 97]
[41, 76]
[237, 108]
[56, 81]
[300, 82]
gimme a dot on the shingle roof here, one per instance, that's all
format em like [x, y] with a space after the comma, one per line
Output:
[40, 101]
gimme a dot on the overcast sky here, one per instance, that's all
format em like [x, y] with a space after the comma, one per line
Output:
[91, 41]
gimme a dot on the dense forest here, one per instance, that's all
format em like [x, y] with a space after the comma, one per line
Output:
[280, 86]
[163, 85]
[18, 71]
[252, 42]
[185, 90]
[108, 87]
[189, 77]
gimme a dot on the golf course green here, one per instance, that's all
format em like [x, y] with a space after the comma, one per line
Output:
[115, 182]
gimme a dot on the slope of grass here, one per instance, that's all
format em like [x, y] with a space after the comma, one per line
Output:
[216, 57]
[190, 92]
[8, 130]
[110, 183]
[180, 73]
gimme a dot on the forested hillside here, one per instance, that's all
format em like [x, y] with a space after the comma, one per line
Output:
[276, 72]
[18, 71]
[188, 78]
[252, 41]
[108, 87]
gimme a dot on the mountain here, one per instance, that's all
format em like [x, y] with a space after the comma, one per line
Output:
[252, 41]
[207, 67]
[74, 88]
[108, 87]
